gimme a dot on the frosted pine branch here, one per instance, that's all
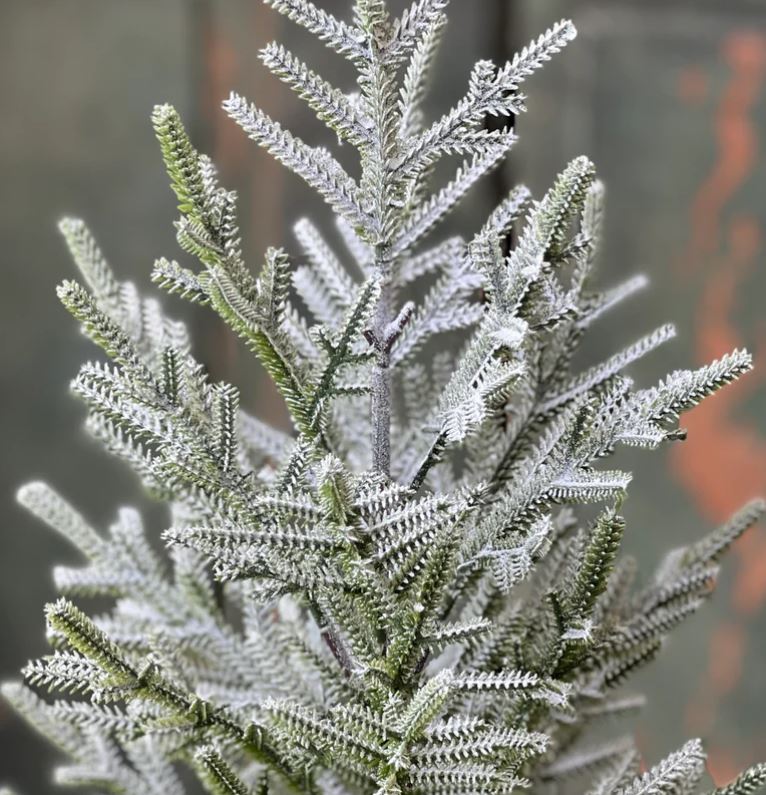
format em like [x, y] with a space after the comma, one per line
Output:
[402, 592]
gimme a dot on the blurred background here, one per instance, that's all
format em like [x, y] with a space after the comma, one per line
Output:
[667, 96]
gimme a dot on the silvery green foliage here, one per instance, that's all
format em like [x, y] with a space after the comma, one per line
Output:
[400, 595]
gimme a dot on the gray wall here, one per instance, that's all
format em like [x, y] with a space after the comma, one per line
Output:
[77, 81]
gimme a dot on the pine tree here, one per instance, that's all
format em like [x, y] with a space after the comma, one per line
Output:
[402, 595]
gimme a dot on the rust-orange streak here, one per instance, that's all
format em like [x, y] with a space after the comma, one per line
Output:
[693, 85]
[737, 144]
[737, 471]
[724, 463]
[222, 73]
